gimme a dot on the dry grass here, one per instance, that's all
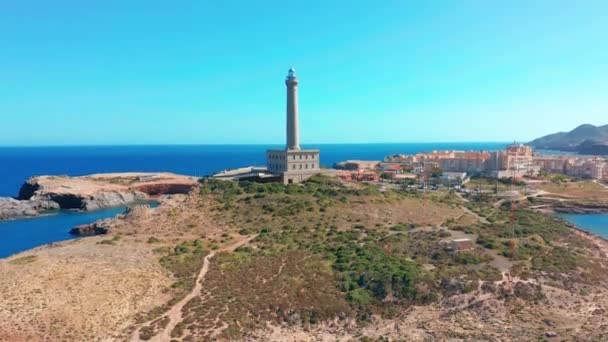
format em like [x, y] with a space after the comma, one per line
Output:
[23, 260]
[77, 290]
[580, 190]
[180, 217]
[242, 292]
[370, 211]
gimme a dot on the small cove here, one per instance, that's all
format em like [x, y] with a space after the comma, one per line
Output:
[23, 234]
[595, 223]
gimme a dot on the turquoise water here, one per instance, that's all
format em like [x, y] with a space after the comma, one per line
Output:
[19, 163]
[596, 223]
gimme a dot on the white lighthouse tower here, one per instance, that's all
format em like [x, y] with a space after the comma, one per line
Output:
[293, 164]
[293, 134]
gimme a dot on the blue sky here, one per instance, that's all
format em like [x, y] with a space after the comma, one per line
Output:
[204, 72]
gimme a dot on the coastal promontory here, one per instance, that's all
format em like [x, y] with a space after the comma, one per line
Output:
[42, 194]
[584, 139]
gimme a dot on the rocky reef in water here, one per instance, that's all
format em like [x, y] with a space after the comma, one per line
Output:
[95, 228]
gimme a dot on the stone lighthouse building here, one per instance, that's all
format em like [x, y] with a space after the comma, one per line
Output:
[293, 164]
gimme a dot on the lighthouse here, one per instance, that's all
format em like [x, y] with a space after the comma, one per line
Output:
[293, 138]
[292, 164]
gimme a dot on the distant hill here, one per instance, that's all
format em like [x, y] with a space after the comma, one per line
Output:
[587, 139]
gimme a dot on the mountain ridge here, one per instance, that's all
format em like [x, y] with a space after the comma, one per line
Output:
[586, 138]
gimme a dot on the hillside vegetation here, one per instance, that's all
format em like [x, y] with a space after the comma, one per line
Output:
[326, 251]
[319, 261]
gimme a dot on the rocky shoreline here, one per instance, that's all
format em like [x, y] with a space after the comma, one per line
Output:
[43, 194]
[572, 206]
[581, 210]
[11, 208]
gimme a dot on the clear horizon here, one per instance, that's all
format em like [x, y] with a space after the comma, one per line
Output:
[267, 144]
[202, 73]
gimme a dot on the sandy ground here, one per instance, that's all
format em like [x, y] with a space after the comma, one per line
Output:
[80, 290]
[175, 313]
[600, 243]
[477, 316]
[178, 217]
[77, 290]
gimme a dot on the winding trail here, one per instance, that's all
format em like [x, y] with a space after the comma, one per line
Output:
[600, 183]
[474, 214]
[175, 313]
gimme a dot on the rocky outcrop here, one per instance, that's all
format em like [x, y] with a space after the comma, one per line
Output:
[12, 208]
[95, 228]
[28, 189]
[573, 206]
[109, 199]
[581, 209]
[137, 212]
[92, 192]
[99, 200]
[164, 188]
[104, 190]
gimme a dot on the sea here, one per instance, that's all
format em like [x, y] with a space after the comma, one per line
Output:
[596, 223]
[23, 234]
[19, 163]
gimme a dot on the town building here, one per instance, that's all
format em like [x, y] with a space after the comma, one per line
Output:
[515, 161]
[360, 176]
[358, 165]
[585, 168]
[552, 164]
[450, 178]
[292, 164]
[472, 162]
[460, 245]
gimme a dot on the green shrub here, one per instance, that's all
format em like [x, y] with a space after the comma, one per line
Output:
[111, 241]
[487, 241]
[152, 239]
[181, 249]
[359, 297]
[467, 258]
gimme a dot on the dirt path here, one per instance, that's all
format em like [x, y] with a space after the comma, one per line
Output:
[175, 313]
[459, 195]
[470, 212]
[600, 183]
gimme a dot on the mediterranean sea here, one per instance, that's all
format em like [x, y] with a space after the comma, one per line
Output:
[23, 234]
[19, 163]
[596, 223]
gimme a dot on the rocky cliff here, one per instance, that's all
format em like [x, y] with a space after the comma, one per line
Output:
[91, 192]
[12, 208]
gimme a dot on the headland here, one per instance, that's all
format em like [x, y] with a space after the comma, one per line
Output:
[44, 194]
